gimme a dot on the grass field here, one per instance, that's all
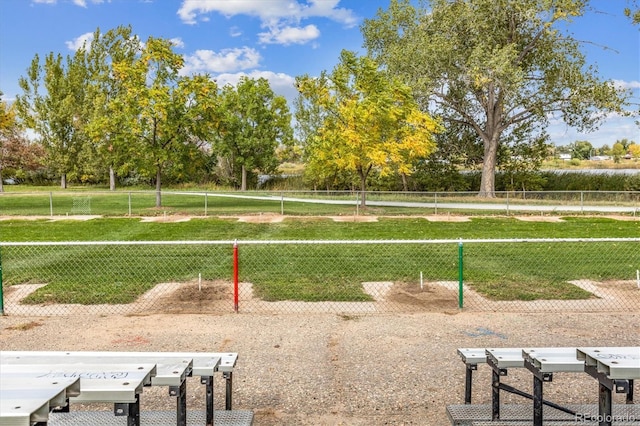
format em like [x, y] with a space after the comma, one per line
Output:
[301, 203]
[312, 272]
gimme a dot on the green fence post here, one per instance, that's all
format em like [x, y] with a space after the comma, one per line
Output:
[460, 276]
[1, 288]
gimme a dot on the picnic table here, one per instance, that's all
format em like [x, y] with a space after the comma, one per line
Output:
[615, 368]
[103, 376]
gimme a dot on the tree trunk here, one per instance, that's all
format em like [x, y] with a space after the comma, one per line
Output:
[112, 179]
[405, 186]
[243, 185]
[488, 181]
[1, 183]
[158, 187]
[63, 181]
[363, 189]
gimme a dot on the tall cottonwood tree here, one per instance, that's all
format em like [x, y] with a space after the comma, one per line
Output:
[254, 123]
[8, 124]
[107, 128]
[369, 121]
[163, 112]
[53, 105]
[497, 67]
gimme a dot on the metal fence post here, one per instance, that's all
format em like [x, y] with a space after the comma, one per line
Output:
[1, 287]
[460, 275]
[235, 276]
[50, 203]
[507, 203]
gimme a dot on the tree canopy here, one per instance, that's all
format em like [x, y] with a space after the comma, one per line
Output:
[53, 104]
[121, 105]
[255, 122]
[500, 68]
[367, 120]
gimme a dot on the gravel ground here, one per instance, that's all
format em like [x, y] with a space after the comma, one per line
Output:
[326, 369]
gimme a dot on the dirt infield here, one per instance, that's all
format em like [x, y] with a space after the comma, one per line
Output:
[277, 218]
[328, 369]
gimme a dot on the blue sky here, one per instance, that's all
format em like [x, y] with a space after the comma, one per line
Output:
[277, 39]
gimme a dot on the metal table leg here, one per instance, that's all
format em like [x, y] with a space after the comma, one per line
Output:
[228, 401]
[538, 401]
[495, 395]
[468, 382]
[604, 405]
[208, 382]
[180, 392]
[129, 409]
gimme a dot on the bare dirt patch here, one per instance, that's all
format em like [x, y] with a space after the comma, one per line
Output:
[206, 297]
[539, 218]
[277, 218]
[25, 326]
[52, 218]
[167, 218]
[427, 298]
[354, 218]
[614, 290]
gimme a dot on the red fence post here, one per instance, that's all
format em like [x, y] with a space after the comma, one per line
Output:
[235, 276]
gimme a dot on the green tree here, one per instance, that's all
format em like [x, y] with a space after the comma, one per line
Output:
[8, 124]
[107, 128]
[57, 115]
[625, 143]
[497, 67]
[519, 163]
[369, 121]
[582, 150]
[165, 114]
[255, 123]
[618, 151]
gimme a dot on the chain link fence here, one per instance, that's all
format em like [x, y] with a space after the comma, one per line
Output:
[339, 203]
[346, 277]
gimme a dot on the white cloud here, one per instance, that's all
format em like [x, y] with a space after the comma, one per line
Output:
[280, 17]
[227, 60]
[273, 10]
[177, 42]
[77, 42]
[614, 127]
[631, 85]
[281, 84]
[289, 35]
[235, 31]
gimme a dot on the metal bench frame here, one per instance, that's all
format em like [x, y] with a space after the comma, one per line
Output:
[202, 364]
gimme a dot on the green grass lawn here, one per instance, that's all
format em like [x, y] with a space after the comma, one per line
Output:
[316, 272]
[124, 203]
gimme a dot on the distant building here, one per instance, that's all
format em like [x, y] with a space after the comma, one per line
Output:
[565, 157]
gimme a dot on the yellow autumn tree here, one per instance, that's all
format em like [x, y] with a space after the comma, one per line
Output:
[365, 121]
